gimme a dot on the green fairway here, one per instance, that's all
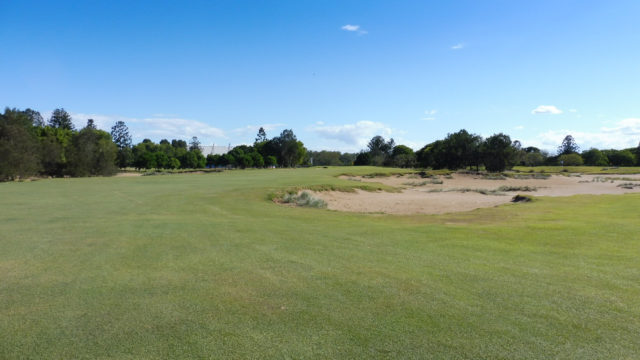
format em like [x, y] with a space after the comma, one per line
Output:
[206, 266]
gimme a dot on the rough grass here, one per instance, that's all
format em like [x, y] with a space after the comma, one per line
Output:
[203, 266]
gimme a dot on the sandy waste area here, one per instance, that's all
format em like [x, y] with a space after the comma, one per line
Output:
[457, 193]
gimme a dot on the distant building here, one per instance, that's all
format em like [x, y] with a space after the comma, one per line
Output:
[215, 150]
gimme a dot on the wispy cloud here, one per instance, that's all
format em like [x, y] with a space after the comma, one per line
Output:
[623, 134]
[355, 135]
[156, 127]
[354, 28]
[458, 46]
[429, 115]
[251, 130]
[546, 109]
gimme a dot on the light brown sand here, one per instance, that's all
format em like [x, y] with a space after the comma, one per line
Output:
[416, 199]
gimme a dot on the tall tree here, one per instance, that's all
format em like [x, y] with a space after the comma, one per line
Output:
[120, 135]
[122, 139]
[568, 146]
[35, 117]
[262, 136]
[61, 119]
[91, 124]
[194, 144]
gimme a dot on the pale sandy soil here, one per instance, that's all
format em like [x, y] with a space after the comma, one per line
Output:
[128, 174]
[416, 199]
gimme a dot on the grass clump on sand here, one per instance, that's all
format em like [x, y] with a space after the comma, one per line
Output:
[434, 181]
[629, 185]
[304, 199]
[512, 188]
[464, 190]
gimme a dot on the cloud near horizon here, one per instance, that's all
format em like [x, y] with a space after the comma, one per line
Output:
[546, 109]
[354, 135]
[458, 46]
[625, 134]
[155, 127]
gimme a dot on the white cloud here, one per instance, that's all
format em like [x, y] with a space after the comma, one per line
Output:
[155, 127]
[251, 130]
[162, 127]
[546, 109]
[573, 110]
[356, 135]
[458, 46]
[354, 28]
[624, 134]
[519, 127]
[351, 27]
[429, 115]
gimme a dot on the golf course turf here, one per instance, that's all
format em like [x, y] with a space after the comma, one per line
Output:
[207, 266]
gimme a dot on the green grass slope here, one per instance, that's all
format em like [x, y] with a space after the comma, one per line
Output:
[205, 266]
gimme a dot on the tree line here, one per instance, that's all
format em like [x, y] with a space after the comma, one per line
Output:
[496, 153]
[30, 146]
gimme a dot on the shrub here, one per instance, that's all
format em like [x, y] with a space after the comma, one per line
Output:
[570, 160]
[305, 199]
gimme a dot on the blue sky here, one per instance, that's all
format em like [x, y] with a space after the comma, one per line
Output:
[336, 72]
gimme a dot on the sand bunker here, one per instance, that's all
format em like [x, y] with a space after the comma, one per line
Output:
[458, 192]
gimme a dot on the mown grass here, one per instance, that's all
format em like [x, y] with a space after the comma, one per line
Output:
[204, 266]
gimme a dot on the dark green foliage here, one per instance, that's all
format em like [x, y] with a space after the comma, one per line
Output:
[620, 157]
[497, 152]
[459, 150]
[122, 139]
[35, 117]
[570, 160]
[403, 157]
[194, 144]
[262, 136]
[568, 146]
[594, 157]
[18, 146]
[362, 159]
[93, 153]
[61, 119]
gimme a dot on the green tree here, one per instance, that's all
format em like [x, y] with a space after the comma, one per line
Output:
[194, 144]
[18, 146]
[595, 157]
[122, 139]
[291, 151]
[570, 160]
[261, 137]
[568, 146]
[35, 117]
[403, 156]
[93, 153]
[620, 157]
[61, 119]
[497, 152]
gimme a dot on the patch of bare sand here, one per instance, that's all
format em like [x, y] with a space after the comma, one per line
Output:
[128, 174]
[418, 198]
